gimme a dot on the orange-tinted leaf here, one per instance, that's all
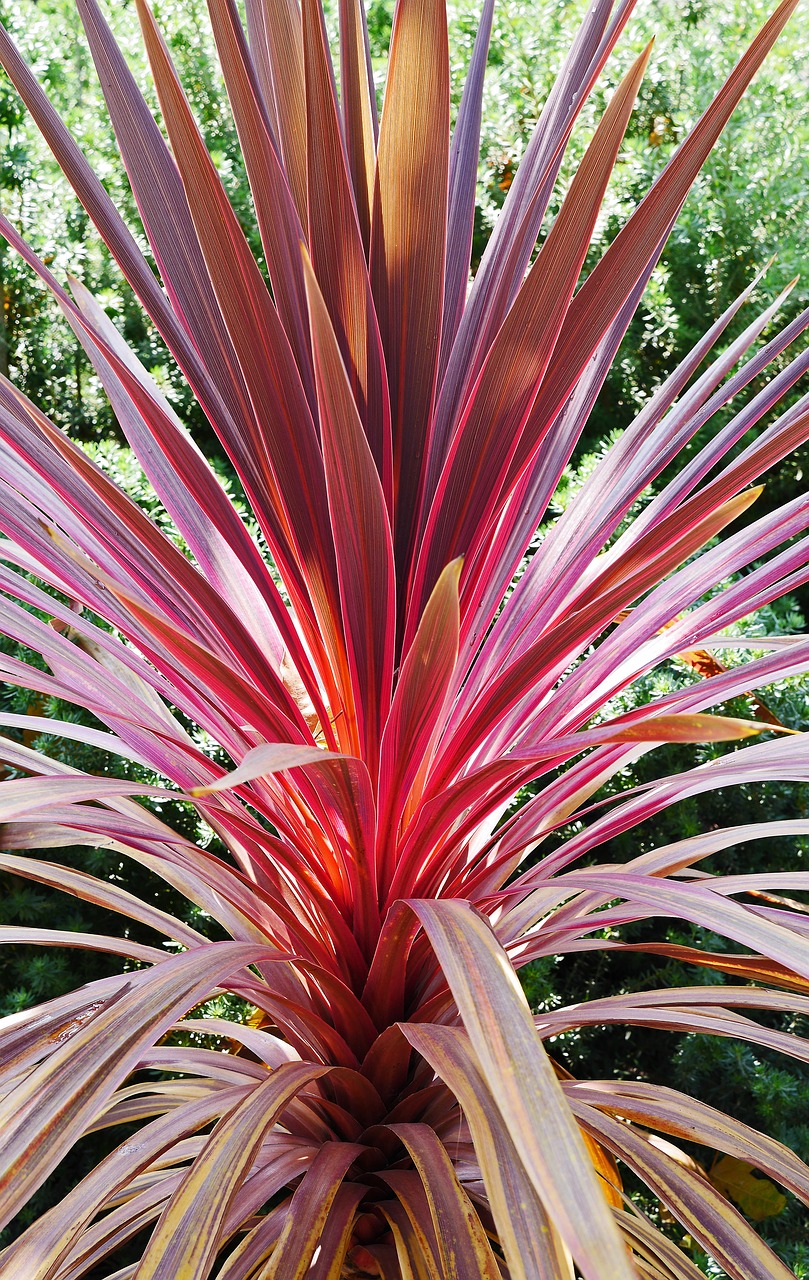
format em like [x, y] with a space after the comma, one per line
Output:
[276, 43]
[682, 727]
[408, 240]
[359, 109]
[656, 554]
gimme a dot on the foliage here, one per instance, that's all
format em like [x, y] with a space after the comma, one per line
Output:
[351, 694]
[726, 230]
[748, 205]
[45, 358]
[752, 1083]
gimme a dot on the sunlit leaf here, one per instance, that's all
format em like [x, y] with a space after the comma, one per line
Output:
[757, 1197]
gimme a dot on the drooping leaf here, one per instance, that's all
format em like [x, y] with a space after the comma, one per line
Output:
[48, 1110]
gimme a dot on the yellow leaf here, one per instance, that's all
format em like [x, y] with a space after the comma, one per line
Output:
[757, 1197]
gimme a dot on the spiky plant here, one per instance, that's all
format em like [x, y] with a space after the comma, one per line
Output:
[382, 689]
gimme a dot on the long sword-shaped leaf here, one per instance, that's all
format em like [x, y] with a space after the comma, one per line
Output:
[656, 1249]
[184, 482]
[261, 761]
[362, 536]
[336, 249]
[37, 1252]
[47, 1112]
[186, 1239]
[650, 447]
[497, 1019]
[337, 1233]
[596, 511]
[706, 1214]
[408, 241]
[531, 1245]
[24, 935]
[213, 532]
[202, 366]
[110, 896]
[515, 232]
[462, 1241]
[699, 904]
[360, 124]
[276, 43]
[106, 1237]
[164, 208]
[463, 168]
[496, 411]
[601, 296]
[287, 436]
[309, 1211]
[144, 545]
[418, 703]
[675, 1113]
[276, 214]
[414, 1256]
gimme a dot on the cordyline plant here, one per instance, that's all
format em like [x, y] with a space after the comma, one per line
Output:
[383, 689]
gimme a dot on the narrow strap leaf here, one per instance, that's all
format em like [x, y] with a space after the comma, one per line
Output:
[606, 287]
[706, 1214]
[408, 242]
[276, 43]
[47, 1112]
[496, 412]
[309, 1212]
[336, 249]
[186, 1239]
[278, 220]
[463, 169]
[496, 1016]
[462, 1242]
[531, 1245]
[360, 123]
[294, 472]
[514, 236]
[672, 1112]
[418, 703]
[362, 537]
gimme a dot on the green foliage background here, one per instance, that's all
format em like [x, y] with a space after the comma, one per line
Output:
[750, 203]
